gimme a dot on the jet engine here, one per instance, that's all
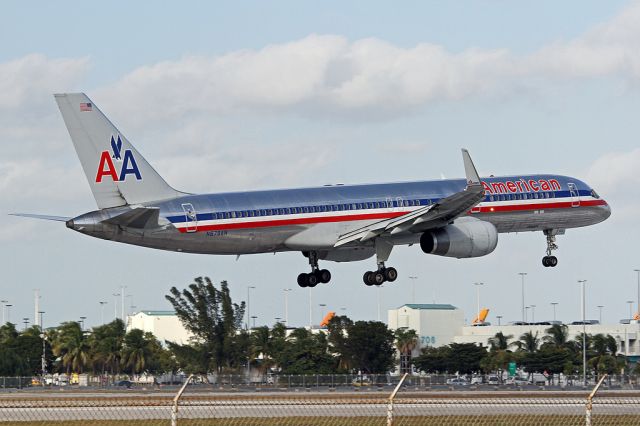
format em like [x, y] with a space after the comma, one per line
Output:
[466, 237]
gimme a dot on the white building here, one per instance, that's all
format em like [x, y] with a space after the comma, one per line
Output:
[442, 324]
[165, 325]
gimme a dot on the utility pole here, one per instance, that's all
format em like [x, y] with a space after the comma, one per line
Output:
[584, 336]
[522, 275]
[478, 285]
[413, 289]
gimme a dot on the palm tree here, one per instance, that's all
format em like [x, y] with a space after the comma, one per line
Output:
[406, 341]
[528, 342]
[261, 347]
[557, 335]
[500, 341]
[71, 346]
[135, 351]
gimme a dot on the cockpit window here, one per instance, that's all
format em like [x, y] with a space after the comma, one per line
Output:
[594, 194]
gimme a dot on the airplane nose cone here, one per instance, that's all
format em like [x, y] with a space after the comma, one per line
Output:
[605, 211]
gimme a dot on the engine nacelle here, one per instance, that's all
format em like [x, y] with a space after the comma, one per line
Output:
[466, 237]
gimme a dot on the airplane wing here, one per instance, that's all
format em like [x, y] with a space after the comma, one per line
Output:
[41, 216]
[138, 218]
[427, 217]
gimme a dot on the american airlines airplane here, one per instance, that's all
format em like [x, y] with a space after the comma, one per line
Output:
[342, 223]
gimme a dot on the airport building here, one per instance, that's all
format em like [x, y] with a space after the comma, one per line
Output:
[441, 324]
[165, 325]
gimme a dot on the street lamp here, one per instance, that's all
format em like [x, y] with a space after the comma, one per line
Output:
[254, 320]
[638, 272]
[554, 309]
[379, 303]
[630, 302]
[82, 323]
[3, 305]
[478, 285]
[25, 321]
[8, 312]
[533, 313]
[584, 335]
[600, 313]
[115, 305]
[522, 275]
[322, 306]
[43, 336]
[499, 318]
[286, 306]
[526, 313]
[248, 305]
[413, 290]
[102, 303]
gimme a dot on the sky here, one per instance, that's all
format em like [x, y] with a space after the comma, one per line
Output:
[257, 95]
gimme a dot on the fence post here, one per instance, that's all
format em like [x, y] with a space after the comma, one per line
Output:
[590, 400]
[391, 397]
[174, 409]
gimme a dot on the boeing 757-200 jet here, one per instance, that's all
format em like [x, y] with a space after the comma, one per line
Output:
[342, 223]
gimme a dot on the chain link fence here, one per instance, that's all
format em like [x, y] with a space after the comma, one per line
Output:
[409, 407]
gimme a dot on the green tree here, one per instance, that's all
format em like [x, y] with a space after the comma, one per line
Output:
[369, 347]
[306, 353]
[338, 340]
[528, 342]
[213, 319]
[557, 336]
[499, 341]
[462, 358]
[106, 342]
[433, 360]
[71, 346]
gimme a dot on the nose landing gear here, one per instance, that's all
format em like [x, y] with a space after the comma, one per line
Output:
[549, 260]
[316, 275]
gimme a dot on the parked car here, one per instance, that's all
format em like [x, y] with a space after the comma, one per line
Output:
[125, 383]
[493, 380]
[518, 381]
[458, 381]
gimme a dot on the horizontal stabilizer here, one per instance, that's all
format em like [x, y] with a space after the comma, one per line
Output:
[42, 216]
[138, 218]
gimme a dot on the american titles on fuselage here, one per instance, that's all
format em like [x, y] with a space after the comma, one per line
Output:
[522, 185]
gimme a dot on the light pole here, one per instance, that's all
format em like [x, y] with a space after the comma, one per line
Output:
[115, 305]
[413, 290]
[600, 313]
[8, 312]
[478, 285]
[522, 275]
[310, 311]
[122, 296]
[254, 320]
[322, 306]
[526, 313]
[584, 335]
[379, 291]
[43, 361]
[248, 305]
[82, 323]
[3, 308]
[25, 321]
[286, 306]
[499, 318]
[638, 272]
[533, 313]
[554, 309]
[102, 303]
[630, 302]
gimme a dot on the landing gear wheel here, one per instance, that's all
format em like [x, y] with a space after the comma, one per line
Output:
[302, 280]
[324, 276]
[377, 278]
[390, 274]
[553, 261]
[312, 280]
[366, 279]
[545, 261]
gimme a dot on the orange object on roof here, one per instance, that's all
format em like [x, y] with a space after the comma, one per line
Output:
[636, 316]
[327, 318]
[481, 317]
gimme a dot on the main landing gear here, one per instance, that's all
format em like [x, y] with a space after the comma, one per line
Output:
[383, 274]
[549, 260]
[316, 275]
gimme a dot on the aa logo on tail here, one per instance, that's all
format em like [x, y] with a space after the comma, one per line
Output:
[125, 160]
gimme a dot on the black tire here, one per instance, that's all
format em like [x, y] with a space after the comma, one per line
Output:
[324, 276]
[302, 280]
[390, 274]
[378, 278]
[545, 261]
[365, 278]
[553, 261]
[312, 280]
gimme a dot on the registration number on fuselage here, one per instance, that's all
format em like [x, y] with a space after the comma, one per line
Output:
[216, 233]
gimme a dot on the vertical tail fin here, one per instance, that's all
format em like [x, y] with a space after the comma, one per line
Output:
[117, 173]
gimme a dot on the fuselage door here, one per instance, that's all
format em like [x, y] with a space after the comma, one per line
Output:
[575, 196]
[191, 218]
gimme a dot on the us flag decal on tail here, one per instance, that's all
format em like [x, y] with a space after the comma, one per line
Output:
[85, 106]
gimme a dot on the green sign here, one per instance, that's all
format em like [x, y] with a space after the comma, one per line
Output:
[512, 368]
